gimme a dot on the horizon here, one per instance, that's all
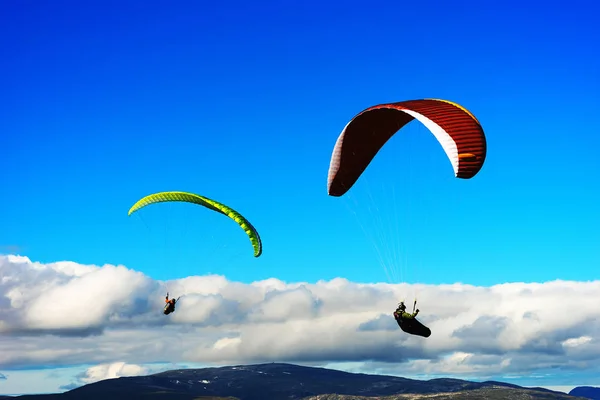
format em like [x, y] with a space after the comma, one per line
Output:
[243, 103]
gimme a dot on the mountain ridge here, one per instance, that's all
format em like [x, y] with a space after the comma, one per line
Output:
[279, 381]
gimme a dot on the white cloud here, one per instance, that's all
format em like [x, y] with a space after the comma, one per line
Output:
[113, 318]
[111, 371]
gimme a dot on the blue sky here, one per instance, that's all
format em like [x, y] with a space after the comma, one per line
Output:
[103, 103]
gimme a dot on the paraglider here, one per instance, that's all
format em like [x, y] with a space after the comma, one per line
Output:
[457, 130]
[208, 203]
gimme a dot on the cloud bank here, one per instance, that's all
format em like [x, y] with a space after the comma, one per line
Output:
[64, 313]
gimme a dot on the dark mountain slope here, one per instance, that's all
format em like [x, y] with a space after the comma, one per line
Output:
[278, 382]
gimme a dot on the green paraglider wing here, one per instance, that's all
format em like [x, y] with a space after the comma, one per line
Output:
[208, 203]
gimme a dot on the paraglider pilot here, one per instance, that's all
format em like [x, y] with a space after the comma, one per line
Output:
[170, 306]
[408, 323]
[401, 312]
